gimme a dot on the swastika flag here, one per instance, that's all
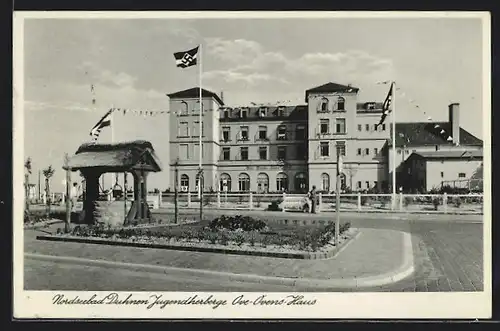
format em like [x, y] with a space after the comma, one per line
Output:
[187, 58]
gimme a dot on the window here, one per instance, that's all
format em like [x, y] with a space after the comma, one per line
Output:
[375, 126]
[262, 183]
[262, 132]
[370, 106]
[367, 151]
[340, 103]
[442, 174]
[375, 185]
[300, 132]
[226, 113]
[367, 127]
[461, 175]
[197, 181]
[340, 148]
[244, 182]
[300, 182]
[437, 148]
[282, 132]
[262, 112]
[183, 151]
[343, 182]
[340, 125]
[244, 133]
[243, 113]
[360, 127]
[263, 153]
[184, 182]
[226, 153]
[184, 108]
[367, 183]
[324, 105]
[383, 127]
[225, 182]
[414, 151]
[324, 148]
[281, 111]
[359, 185]
[281, 152]
[324, 126]
[244, 153]
[407, 151]
[281, 182]
[196, 151]
[399, 151]
[183, 129]
[196, 129]
[226, 133]
[359, 151]
[325, 182]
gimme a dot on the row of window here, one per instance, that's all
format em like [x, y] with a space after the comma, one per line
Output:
[282, 182]
[263, 153]
[324, 105]
[370, 128]
[460, 174]
[324, 148]
[244, 182]
[262, 134]
[324, 126]
[184, 130]
[262, 112]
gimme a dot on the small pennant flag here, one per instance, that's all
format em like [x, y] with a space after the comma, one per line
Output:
[387, 105]
[186, 59]
[104, 122]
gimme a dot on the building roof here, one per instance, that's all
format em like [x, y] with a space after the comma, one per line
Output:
[117, 157]
[195, 93]
[424, 133]
[458, 154]
[297, 113]
[331, 87]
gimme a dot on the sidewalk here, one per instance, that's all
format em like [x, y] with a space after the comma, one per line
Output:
[375, 258]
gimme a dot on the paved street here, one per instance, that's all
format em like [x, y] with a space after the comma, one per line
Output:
[447, 257]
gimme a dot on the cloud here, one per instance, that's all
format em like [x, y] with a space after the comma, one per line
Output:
[248, 62]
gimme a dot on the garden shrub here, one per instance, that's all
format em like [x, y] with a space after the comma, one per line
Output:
[232, 223]
[274, 205]
[239, 238]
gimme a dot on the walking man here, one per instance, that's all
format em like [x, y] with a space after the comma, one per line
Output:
[312, 198]
[74, 196]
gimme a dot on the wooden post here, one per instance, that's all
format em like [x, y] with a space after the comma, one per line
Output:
[359, 201]
[200, 188]
[68, 194]
[337, 210]
[125, 196]
[176, 203]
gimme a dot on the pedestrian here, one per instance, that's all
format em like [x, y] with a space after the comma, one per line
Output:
[312, 199]
[74, 196]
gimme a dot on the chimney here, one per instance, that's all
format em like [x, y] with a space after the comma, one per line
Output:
[454, 118]
[222, 95]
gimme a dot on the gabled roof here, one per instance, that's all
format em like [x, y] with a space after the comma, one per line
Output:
[195, 93]
[458, 154]
[117, 157]
[424, 133]
[331, 87]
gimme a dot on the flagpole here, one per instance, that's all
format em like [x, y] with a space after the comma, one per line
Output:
[200, 178]
[393, 144]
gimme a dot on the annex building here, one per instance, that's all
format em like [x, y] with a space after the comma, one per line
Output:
[292, 148]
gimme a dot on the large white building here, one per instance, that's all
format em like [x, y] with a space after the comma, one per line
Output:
[292, 148]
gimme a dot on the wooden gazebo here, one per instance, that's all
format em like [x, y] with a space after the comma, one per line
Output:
[136, 157]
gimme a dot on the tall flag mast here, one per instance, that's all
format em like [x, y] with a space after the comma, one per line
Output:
[186, 59]
[389, 106]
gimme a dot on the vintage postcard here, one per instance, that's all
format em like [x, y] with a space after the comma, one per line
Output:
[256, 165]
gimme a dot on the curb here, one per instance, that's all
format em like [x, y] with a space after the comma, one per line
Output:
[221, 250]
[405, 270]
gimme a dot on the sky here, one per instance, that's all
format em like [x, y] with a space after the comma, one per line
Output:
[130, 63]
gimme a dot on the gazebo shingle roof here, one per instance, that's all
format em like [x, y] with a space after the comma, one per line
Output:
[119, 157]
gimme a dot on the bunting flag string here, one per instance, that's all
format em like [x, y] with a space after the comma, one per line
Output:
[439, 130]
